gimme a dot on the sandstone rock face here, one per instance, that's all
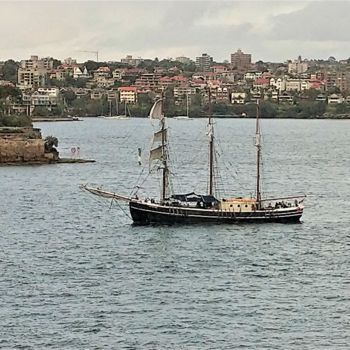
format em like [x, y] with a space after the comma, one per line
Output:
[23, 145]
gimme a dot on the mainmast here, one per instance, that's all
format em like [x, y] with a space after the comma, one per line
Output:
[187, 106]
[258, 155]
[211, 148]
[164, 156]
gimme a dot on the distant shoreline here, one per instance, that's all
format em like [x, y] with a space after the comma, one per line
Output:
[53, 119]
[58, 119]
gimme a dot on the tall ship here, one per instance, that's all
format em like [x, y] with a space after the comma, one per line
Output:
[193, 208]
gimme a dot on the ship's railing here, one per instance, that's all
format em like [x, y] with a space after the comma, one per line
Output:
[283, 202]
[284, 198]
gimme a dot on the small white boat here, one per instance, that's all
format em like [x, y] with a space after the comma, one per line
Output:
[183, 117]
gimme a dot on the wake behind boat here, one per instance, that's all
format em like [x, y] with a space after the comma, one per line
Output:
[192, 208]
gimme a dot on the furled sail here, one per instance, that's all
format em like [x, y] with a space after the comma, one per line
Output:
[105, 194]
[156, 110]
[257, 140]
[158, 136]
[156, 154]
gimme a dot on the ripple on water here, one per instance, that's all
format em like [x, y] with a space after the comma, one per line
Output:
[76, 275]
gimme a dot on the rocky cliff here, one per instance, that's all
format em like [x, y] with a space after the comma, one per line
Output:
[23, 145]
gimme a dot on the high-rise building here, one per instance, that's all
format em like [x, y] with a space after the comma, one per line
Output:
[241, 60]
[131, 61]
[297, 66]
[204, 62]
[33, 72]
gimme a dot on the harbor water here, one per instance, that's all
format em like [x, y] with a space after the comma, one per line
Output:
[76, 274]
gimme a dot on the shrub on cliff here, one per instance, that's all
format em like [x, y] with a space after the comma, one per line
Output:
[15, 120]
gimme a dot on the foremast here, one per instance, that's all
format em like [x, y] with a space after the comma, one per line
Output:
[211, 149]
[160, 152]
[258, 155]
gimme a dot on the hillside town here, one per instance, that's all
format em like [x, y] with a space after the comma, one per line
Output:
[298, 88]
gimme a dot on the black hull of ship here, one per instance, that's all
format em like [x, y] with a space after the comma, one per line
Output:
[145, 214]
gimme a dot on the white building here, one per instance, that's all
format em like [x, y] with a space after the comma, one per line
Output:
[78, 73]
[128, 94]
[238, 97]
[335, 99]
[278, 83]
[297, 66]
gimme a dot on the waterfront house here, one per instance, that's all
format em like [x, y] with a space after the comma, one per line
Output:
[238, 97]
[335, 99]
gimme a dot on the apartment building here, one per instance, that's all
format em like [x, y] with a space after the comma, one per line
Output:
[241, 61]
[32, 73]
[220, 94]
[29, 78]
[128, 94]
[131, 61]
[204, 62]
[181, 91]
[343, 80]
[35, 62]
[297, 66]
[148, 81]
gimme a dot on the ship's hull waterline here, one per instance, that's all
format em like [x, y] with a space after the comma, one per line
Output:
[147, 213]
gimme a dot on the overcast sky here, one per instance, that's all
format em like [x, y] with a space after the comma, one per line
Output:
[269, 30]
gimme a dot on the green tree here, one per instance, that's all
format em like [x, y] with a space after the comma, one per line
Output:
[15, 120]
[311, 94]
[50, 143]
[268, 110]
[69, 96]
[9, 91]
[9, 71]
[342, 108]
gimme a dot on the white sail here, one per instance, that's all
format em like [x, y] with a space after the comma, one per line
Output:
[257, 140]
[156, 154]
[158, 136]
[156, 110]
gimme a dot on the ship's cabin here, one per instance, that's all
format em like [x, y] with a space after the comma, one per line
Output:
[193, 200]
[238, 204]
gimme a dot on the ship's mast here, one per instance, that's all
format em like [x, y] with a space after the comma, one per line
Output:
[258, 155]
[211, 148]
[164, 157]
[187, 106]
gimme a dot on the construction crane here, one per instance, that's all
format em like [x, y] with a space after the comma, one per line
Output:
[90, 51]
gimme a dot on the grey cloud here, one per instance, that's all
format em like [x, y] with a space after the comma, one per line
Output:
[157, 28]
[319, 21]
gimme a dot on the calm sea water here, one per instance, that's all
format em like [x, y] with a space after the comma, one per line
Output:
[75, 274]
